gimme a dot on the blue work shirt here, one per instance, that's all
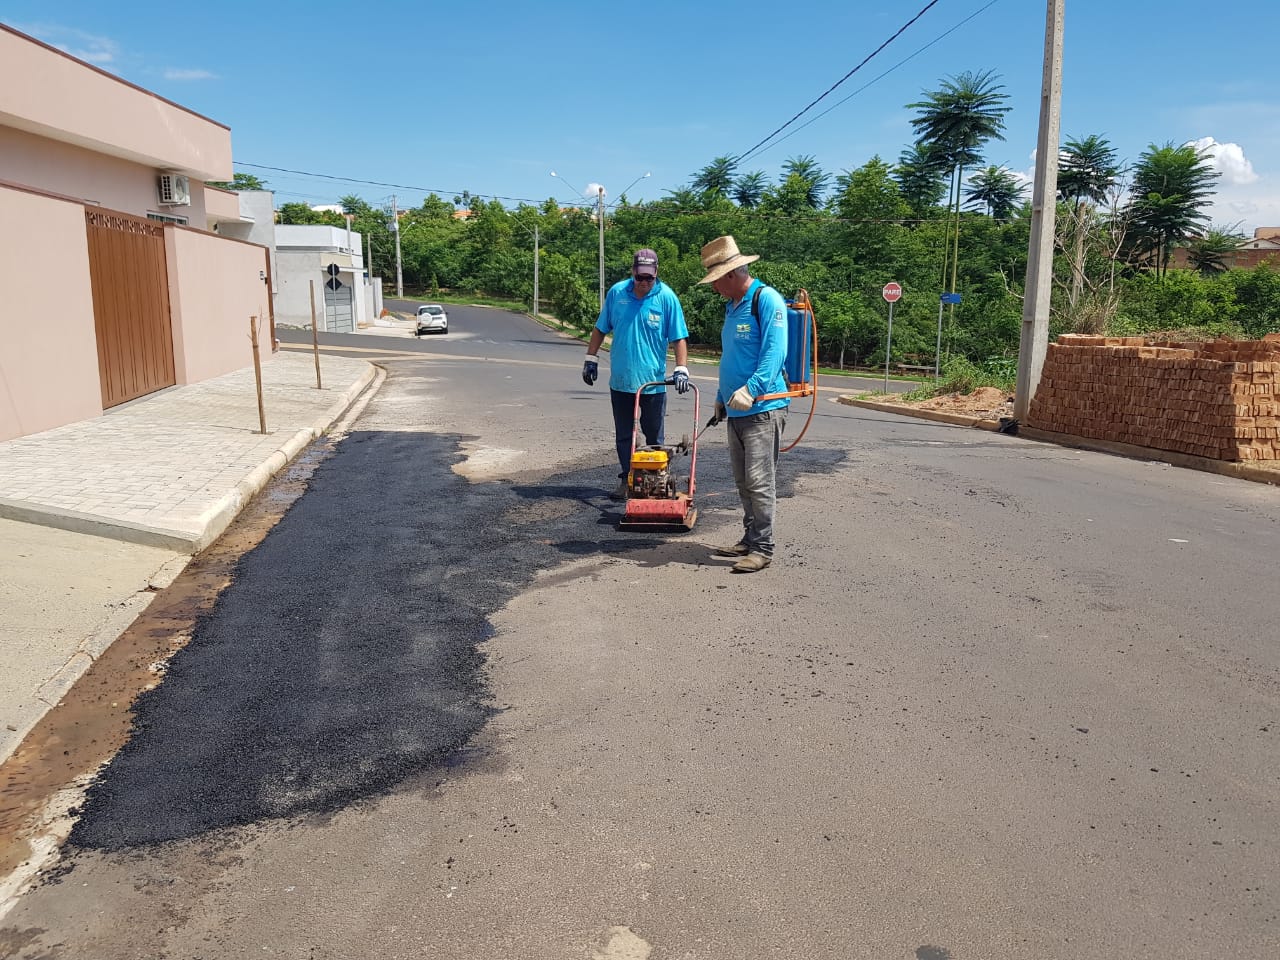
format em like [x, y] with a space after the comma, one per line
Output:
[641, 331]
[752, 352]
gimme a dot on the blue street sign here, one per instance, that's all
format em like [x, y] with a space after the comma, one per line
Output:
[950, 298]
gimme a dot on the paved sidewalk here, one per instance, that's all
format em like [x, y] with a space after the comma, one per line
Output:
[173, 469]
[96, 516]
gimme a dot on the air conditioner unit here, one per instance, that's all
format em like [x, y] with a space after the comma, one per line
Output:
[175, 190]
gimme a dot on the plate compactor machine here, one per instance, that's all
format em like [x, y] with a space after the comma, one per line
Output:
[654, 500]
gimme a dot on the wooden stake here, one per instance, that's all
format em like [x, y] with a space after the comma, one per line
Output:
[315, 341]
[257, 373]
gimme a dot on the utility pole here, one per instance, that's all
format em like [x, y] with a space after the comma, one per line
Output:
[1039, 285]
[395, 227]
[600, 217]
[535, 270]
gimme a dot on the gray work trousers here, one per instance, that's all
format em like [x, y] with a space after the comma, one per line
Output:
[754, 444]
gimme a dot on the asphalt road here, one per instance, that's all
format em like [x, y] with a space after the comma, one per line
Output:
[994, 699]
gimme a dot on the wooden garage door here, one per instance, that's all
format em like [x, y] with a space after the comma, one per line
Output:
[130, 305]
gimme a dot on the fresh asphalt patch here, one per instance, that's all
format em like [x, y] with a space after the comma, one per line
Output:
[345, 656]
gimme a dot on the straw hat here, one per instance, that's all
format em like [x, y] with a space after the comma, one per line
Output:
[720, 256]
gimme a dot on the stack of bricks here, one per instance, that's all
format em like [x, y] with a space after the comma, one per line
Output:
[1216, 399]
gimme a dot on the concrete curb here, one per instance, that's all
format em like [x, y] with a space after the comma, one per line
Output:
[1224, 468]
[955, 419]
[76, 522]
[216, 520]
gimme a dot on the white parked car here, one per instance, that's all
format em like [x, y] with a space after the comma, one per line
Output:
[431, 319]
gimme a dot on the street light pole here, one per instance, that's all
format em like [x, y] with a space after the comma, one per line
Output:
[599, 220]
[600, 217]
[395, 228]
[535, 261]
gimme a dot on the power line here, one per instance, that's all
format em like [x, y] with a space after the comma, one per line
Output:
[380, 183]
[839, 103]
[747, 153]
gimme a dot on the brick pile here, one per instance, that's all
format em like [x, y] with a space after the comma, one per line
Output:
[1216, 399]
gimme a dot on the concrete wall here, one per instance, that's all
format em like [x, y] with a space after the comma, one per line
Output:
[295, 271]
[313, 236]
[49, 93]
[298, 270]
[215, 285]
[100, 180]
[256, 224]
[220, 205]
[48, 348]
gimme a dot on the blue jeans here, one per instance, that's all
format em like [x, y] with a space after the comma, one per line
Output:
[653, 414]
[754, 444]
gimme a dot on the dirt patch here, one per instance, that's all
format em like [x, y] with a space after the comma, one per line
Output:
[985, 403]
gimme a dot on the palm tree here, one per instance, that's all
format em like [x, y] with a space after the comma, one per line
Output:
[807, 169]
[685, 199]
[716, 177]
[1171, 187]
[1208, 254]
[1087, 170]
[749, 189]
[998, 190]
[919, 177]
[954, 122]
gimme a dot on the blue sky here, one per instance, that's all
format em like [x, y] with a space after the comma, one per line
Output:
[491, 97]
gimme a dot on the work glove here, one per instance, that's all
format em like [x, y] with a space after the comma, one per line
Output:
[741, 400]
[721, 414]
[590, 370]
[681, 377]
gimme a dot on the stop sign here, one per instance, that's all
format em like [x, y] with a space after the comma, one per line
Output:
[892, 291]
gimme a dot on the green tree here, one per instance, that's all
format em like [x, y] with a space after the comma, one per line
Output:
[572, 301]
[240, 181]
[1087, 172]
[749, 189]
[806, 169]
[301, 213]
[791, 197]
[953, 123]
[1209, 253]
[921, 178]
[1256, 295]
[998, 190]
[716, 178]
[869, 202]
[1172, 186]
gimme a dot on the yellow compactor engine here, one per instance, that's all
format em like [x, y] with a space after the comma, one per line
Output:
[650, 477]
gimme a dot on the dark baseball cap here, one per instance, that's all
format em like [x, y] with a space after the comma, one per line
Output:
[645, 261]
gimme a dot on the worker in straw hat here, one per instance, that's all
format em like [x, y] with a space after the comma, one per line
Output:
[753, 345]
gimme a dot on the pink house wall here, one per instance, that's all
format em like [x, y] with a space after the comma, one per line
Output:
[46, 92]
[99, 179]
[214, 287]
[48, 348]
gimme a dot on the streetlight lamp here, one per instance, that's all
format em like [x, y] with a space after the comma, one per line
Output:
[635, 181]
[598, 191]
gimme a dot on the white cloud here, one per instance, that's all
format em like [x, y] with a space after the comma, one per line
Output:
[100, 51]
[175, 74]
[1243, 200]
[1228, 159]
